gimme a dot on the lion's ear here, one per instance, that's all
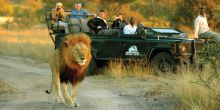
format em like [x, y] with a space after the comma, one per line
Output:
[67, 43]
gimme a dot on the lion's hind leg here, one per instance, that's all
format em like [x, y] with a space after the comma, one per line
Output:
[58, 90]
[56, 83]
[74, 94]
[54, 65]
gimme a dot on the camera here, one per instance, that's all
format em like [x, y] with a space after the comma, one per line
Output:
[58, 8]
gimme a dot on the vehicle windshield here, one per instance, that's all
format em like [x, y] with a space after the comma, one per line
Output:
[167, 31]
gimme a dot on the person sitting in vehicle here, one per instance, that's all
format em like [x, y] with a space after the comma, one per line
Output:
[59, 16]
[131, 27]
[78, 13]
[98, 23]
[118, 21]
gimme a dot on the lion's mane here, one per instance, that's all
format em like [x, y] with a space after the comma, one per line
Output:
[70, 71]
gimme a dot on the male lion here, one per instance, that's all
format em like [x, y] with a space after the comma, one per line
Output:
[68, 65]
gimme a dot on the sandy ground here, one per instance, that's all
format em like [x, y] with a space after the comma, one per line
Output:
[30, 79]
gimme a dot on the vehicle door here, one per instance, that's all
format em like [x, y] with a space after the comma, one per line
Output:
[135, 47]
[107, 46]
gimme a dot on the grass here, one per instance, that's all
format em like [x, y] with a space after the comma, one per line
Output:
[119, 69]
[35, 44]
[197, 90]
[5, 89]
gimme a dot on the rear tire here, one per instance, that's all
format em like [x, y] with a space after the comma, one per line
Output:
[164, 62]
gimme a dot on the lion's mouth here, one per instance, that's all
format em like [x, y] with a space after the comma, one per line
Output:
[82, 62]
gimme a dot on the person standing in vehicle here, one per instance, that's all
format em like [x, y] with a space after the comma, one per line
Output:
[98, 23]
[59, 17]
[201, 28]
[118, 21]
[78, 13]
[131, 27]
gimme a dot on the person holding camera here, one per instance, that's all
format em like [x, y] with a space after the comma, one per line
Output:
[59, 17]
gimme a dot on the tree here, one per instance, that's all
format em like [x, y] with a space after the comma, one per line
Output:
[188, 10]
[6, 8]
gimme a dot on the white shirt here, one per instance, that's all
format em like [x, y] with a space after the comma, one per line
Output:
[128, 29]
[200, 25]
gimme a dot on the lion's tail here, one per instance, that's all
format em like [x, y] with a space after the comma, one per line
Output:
[51, 87]
[48, 92]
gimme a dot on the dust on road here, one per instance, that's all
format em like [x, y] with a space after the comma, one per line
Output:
[30, 79]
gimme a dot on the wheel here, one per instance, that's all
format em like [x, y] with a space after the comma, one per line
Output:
[92, 67]
[164, 62]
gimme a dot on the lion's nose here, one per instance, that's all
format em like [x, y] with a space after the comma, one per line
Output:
[83, 58]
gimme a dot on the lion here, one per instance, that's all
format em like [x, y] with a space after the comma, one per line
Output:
[68, 65]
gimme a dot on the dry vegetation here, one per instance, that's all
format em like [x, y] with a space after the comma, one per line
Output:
[119, 69]
[197, 89]
[34, 44]
[5, 89]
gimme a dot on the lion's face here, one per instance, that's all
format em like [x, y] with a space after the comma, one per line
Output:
[79, 53]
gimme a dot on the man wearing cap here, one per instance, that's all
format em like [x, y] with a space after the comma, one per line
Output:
[78, 13]
[59, 17]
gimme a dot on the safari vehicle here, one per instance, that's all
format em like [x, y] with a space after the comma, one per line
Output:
[164, 47]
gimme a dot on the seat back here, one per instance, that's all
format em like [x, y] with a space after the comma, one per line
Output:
[121, 28]
[74, 25]
[84, 26]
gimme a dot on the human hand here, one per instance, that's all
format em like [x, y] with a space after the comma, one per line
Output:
[195, 36]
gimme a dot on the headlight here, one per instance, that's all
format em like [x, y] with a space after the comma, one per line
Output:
[182, 48]
[185, 48]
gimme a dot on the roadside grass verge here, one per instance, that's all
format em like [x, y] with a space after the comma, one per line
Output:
[118, 69]
[35, 44]
[5, 89]
[196, 89]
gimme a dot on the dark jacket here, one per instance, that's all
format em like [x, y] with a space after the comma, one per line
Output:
[95, 22]
[117, 23]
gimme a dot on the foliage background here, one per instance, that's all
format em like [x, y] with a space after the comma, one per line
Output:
[152, 13]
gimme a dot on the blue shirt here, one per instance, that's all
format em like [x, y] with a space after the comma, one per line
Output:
[83, 14]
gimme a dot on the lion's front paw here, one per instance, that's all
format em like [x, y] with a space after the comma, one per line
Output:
[59, 101]
[76, 104]
[69, 103]
[72, 104]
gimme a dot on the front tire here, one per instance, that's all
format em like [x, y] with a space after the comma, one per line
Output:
[164, 62]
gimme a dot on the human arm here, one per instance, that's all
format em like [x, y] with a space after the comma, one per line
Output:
[196, 28]
[58, 14]
[92, 23]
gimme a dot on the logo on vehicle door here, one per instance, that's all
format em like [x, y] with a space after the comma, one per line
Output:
[132, 51]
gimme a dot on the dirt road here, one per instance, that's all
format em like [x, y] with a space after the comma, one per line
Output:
[31, 78]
